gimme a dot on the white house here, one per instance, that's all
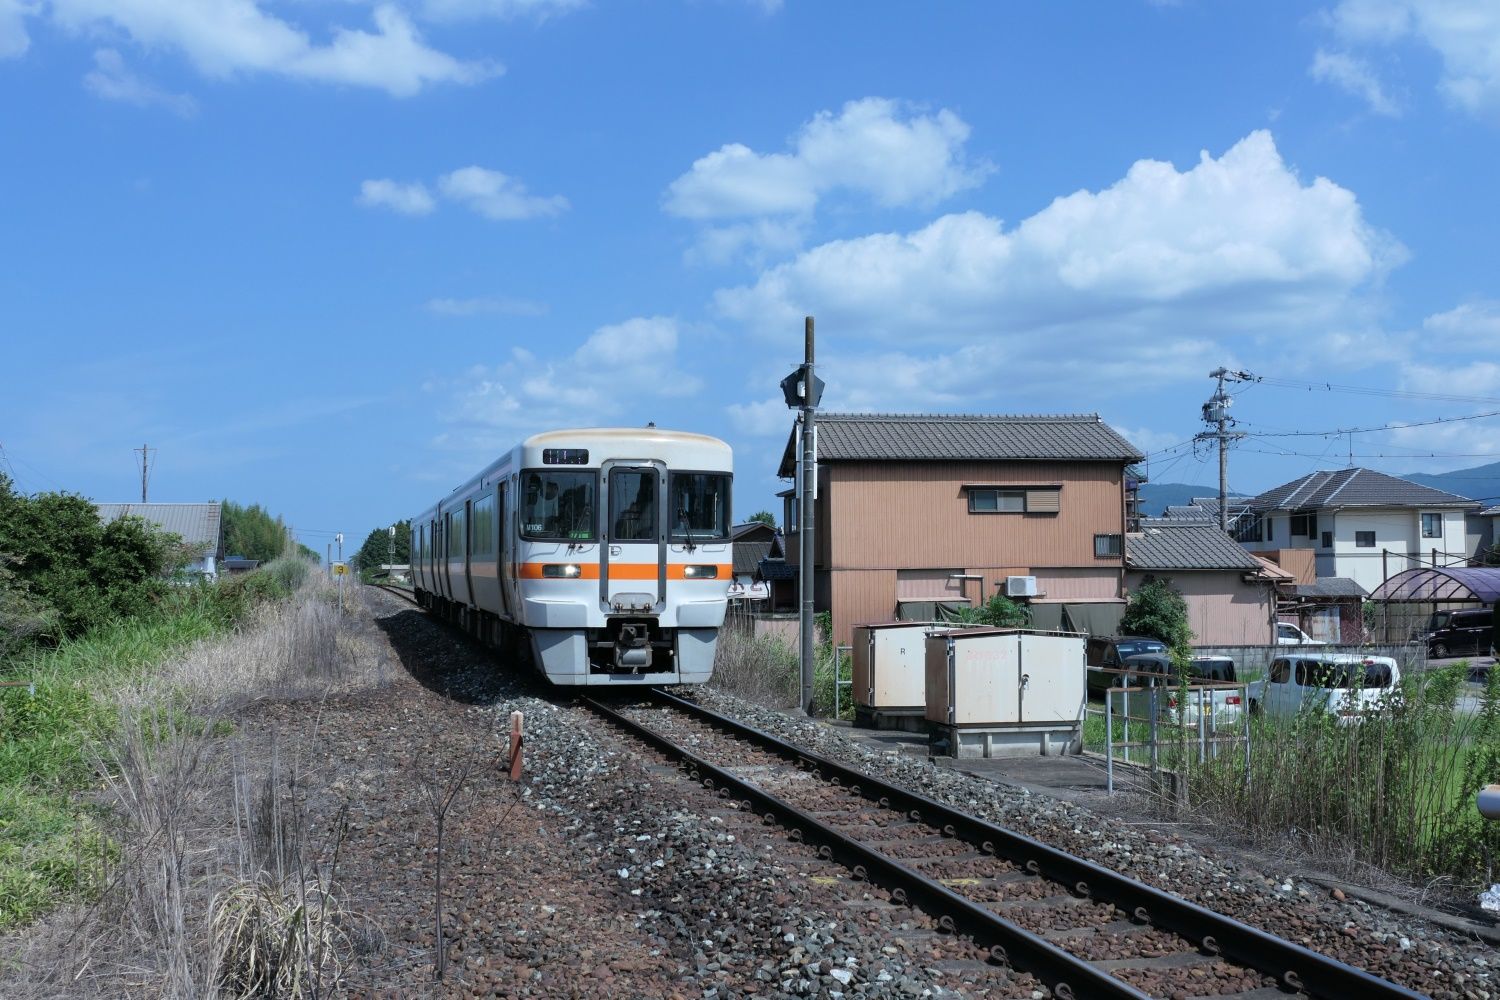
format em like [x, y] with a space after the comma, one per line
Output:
[1360, 525]
[196, 523]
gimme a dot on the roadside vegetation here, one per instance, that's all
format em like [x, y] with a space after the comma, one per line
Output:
[1393, 792]
[766, 669]
[120, 678]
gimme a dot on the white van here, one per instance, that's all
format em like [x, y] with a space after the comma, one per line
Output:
[1346, 684]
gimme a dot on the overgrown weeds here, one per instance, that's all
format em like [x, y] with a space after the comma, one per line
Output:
[766, 669]
[1392, 792]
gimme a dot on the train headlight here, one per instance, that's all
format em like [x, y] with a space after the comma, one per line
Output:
[562, 571]
[700, 572]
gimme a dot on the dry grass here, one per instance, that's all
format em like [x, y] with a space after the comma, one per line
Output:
[762, 669]
[216, 890]
[304, 648]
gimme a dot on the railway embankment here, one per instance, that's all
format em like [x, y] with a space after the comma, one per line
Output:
[605, 871]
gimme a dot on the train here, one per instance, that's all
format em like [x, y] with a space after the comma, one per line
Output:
[604, 553]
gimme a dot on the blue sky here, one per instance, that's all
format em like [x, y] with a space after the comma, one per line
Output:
[332, 256]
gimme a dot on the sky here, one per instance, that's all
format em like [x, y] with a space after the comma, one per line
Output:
[333, 256]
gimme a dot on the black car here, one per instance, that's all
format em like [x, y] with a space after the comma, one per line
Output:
[1112, 652]
[1454, 633]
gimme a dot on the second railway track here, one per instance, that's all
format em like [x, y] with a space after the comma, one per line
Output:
[1082, 929]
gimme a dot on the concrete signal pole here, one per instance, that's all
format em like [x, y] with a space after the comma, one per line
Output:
[802, 391]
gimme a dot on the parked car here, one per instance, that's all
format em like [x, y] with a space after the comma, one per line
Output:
[1290, 635]
[1346, 684]
[1455, 633]
[1224, 705]
[1112, 652]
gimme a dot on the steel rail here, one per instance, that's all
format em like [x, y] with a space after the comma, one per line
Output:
[1068, 975]
[1292, 965]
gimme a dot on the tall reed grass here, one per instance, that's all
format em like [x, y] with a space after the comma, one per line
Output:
[1394, 792]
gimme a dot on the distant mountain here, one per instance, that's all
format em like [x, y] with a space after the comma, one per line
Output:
[1480, 483]
[1157, 497]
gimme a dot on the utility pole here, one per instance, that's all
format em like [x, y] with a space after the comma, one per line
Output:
[802, 391]
[145, 467]
[1216, 412]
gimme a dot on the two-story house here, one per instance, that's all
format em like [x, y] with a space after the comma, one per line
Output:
[1358, 524]
[913, 509]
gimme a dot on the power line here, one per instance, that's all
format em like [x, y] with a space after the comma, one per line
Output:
[1443, 397]
[1341, 431]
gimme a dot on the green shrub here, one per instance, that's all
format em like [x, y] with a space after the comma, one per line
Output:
[1156, 611]
[999, 611]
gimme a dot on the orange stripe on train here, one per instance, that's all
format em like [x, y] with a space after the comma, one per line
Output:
[618, 571]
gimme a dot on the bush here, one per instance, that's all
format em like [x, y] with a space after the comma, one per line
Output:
[1156, 611]
[73, 571]
[999, 611]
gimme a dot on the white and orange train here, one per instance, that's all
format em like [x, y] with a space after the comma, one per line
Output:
[606, 550]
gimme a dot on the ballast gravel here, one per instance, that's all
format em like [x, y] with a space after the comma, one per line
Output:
[603, 872]
[1402, 949]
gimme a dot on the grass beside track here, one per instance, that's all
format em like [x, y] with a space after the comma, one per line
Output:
[53, 842]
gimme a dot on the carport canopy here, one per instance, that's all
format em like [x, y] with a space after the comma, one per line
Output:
[1479, 584]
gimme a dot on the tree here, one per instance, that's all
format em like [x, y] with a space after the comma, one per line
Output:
[764, 517]
[377, 547]
[1157, 611]
[251, 532]
[68, 568]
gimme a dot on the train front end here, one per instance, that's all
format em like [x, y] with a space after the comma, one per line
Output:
[623, 555]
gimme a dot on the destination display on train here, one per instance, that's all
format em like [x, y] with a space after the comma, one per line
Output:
[565, 456]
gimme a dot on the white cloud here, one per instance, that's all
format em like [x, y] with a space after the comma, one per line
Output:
[1473, 327]
[1355, 76]
[1234, 242]
[407, 199]
[110, 80]
[754, 241]
[223, 38]
[767, 418]
[485, 306]
[1149, 282]
[470, 10]
[14, 39]
[497, 196]
[1474, 378]
[874, 147]
[1147, 440]
[613, 373]
[1464, 33]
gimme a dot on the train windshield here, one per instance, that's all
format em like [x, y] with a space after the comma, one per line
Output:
[700, 506]
[557, 504]
[632, 505]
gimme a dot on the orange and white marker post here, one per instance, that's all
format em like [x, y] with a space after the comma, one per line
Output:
[516, 724]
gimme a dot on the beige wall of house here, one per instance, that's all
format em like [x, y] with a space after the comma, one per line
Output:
[1223, 610]
[892, 531]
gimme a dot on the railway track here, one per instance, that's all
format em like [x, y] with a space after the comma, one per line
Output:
[1082, 929]
[402, 592]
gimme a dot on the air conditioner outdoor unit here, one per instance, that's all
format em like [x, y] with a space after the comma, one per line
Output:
[1020, 586]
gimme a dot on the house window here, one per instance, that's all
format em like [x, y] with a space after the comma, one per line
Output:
[1013, 500]
[1432, 526]
[792, 521]
[1249, 529]
[1327, 539]
[1304, 526]
[1106, 546]
[1364, 539]
[1269, 521]
[997, 501]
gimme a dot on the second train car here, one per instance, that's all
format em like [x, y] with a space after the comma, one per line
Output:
[605, 550]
